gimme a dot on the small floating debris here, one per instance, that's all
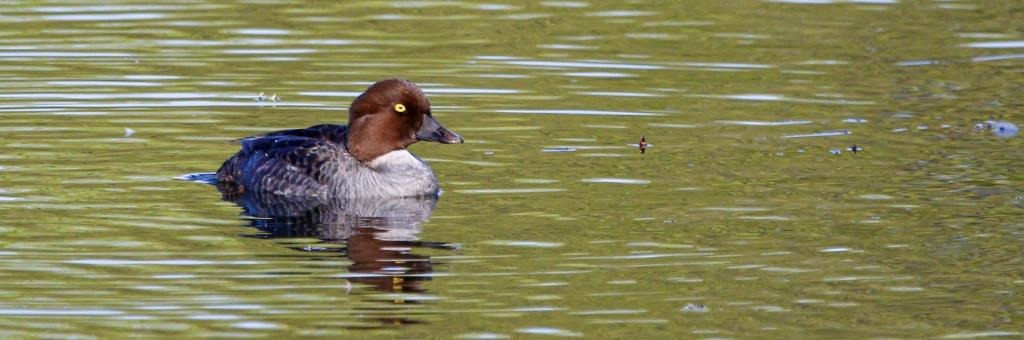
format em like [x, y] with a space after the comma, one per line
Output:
[275, 98]
[855, 149]
[835, 151]
[695, 308]
[560, 149]
[821, 134]
[128, 132]
[260, 97]
[643, 145]
[1002, 128]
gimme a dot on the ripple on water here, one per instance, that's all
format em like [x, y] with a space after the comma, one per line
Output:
[579, 112]
[734, 209]
[560, 149]
[608, 155]
[535, 180]
[469, 91]
[260, 31]
[764, 123]
[673, 125]
[620, 94]
[175, 262]
[60, 312]
[814, 2]
[781, 98]
[105, 17]
[610, 312]
[527, 244]
[876, 197]
[548, 331]
[621, 13]
[599, 74]
[596, 65]
[986, 58]
[982, 334]
[996, 44]
[820, 134]
[509, 191]
[566, 4]
[617, 180]
[482, 336]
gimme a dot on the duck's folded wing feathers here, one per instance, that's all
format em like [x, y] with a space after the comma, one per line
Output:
[286, 162]
[328, 132]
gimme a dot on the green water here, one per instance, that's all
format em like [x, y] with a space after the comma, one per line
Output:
[551, 222]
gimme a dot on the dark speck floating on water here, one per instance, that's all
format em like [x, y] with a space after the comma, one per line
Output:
[695, 308]
[855, 148]
[1002, 129]
[642, 145]
[262, 97]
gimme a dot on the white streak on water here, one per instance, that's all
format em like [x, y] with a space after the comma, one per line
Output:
[996, 44]
[60, 312]
[580, 112]
[616, 180]
[820, 134]
[764, 123]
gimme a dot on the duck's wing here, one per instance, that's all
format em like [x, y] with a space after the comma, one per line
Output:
[328, 132]
[291, 162]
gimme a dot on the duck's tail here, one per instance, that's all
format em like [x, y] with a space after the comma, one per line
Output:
[200, 177]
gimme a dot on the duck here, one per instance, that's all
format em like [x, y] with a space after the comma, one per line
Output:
[368, 157]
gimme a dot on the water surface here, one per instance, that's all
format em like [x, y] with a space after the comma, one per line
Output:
[749, 216]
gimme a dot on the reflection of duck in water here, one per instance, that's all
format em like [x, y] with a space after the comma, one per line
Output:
[378, 233]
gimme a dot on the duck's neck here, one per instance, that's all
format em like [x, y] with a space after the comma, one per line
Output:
[366, 142]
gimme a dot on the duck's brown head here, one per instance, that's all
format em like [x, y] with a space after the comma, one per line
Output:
[391, 115]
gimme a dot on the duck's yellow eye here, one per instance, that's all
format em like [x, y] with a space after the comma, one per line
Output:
[399, 107]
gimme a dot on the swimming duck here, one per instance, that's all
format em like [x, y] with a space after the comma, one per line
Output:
[366, 158]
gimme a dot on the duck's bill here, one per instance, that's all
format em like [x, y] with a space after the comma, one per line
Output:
[433, 131]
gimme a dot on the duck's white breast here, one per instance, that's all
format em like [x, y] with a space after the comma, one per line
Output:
[397, 173]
